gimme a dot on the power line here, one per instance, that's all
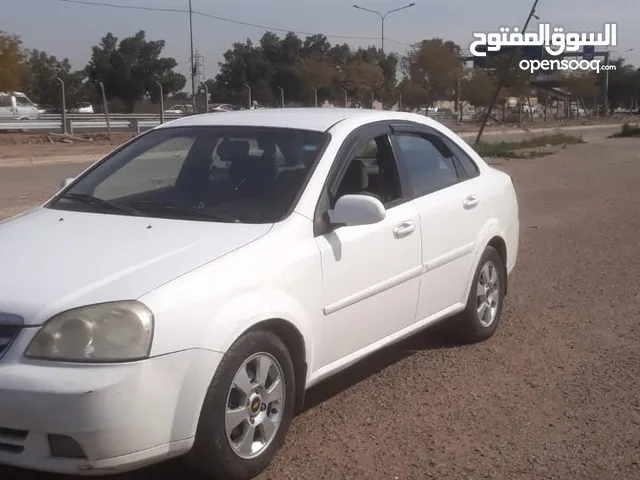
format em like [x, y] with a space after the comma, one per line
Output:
[222, 19]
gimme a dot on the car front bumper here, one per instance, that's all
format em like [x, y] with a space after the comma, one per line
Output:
[99, 419]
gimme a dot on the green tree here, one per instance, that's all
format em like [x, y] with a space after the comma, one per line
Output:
[583, 85]
[624, 84]
[388, 65]
[130, 69]
[477, 87]
[11, 62]
[297, 65]
[434, 66]
[41, 73]
[363, 79]
[316, 73]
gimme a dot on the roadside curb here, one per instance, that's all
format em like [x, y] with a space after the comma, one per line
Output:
[534, 131]
[42, 161]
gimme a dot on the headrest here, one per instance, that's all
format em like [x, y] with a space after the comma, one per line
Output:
[356, 176]
[233, 149]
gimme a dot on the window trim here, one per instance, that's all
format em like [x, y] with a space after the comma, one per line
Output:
[346, 152]
[467, 175]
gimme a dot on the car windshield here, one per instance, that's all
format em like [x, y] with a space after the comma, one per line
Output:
[221, 174]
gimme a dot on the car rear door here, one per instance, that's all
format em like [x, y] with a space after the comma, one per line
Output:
[452, 214]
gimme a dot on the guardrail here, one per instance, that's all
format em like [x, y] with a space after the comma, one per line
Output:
[137, 125]
[114, 116]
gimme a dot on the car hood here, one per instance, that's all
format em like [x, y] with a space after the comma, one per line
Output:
[54, 260]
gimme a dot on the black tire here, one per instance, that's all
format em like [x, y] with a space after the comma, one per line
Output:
[211, 454]
[468, 327]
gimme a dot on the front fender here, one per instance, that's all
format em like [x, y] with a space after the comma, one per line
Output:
[252, 307]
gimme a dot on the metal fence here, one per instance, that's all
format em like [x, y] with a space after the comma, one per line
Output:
[135, 122]
[139, 122]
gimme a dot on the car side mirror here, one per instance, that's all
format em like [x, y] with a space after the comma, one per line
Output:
[354, 210]
[66, 182]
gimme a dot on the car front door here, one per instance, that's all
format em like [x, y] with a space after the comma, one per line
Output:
[371, 273]
[452, 212]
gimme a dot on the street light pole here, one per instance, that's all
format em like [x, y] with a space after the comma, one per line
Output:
[246, 85]
[193, 60]
[63, 99]
[382, 19]
[161, 93]
[281, 96]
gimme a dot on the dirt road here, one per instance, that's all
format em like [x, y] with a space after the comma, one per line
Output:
[555, 394]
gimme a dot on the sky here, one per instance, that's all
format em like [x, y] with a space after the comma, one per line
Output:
[70, 30]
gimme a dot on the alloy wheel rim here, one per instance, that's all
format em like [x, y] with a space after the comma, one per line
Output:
[255, 405]
[488, 294]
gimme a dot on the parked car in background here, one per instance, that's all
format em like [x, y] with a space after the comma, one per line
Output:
[17, 106]
[577, 110]
[180, 110]
[84, 107]
[181, 295]
[221, 107]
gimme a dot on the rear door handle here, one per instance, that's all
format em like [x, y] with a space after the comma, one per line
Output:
[470, 202]
[404, 229]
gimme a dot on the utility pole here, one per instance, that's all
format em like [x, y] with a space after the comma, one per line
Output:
[382, 19]
[193, 63]
[503, 74]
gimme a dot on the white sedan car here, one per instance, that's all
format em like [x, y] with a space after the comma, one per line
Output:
[179, 296]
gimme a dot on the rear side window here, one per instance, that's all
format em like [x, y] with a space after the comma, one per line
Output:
[428, 170]
[469, 167]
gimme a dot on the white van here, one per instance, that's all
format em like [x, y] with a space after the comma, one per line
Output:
[17, 106]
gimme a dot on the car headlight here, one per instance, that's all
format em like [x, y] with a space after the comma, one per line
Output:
[106, 332]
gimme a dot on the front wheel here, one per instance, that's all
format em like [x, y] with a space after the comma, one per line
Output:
[247, 410]
[481, 317]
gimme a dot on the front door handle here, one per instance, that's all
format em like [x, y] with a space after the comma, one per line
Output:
[404, 229]
[470, 202]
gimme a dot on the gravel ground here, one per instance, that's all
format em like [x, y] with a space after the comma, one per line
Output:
[555, 394]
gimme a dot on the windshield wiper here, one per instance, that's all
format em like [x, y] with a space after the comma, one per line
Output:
[99, 202]
[151, 207]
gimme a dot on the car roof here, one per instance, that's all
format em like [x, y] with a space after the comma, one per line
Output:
[317, 119]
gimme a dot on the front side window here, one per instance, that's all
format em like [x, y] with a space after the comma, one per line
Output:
[23, 102]
[372, 170]
[225, 174]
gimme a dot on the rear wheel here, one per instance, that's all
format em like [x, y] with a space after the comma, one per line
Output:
[247, 410]
[481, 317]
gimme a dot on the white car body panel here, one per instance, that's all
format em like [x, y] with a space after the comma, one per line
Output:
[347, 293]
[365, 298]
[75, 246]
